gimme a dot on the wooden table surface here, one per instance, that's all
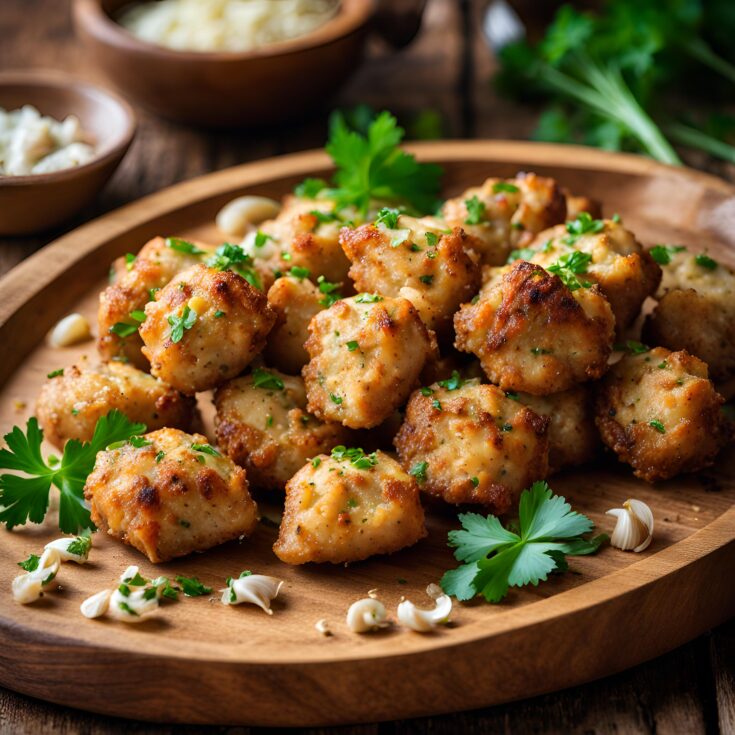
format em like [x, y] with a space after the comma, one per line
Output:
[447, 69]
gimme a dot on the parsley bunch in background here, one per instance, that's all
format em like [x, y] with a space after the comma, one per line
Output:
[26, 498]
[606, 76]
[496, 558]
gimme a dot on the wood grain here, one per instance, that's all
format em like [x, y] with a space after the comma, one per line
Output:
[252, 669]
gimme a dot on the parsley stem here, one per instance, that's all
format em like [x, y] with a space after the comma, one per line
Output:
[694, 138]
[701, 51]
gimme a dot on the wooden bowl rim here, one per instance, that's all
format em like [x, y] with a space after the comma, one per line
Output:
[114, 148]
[28, 279]
[351, 16]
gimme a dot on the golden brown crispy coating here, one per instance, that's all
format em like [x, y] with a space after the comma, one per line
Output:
[70, 404]
[155, 265]
[573, 436]
[366, 355]
[167, 499]
[336, 512]
[267, 430]
[295, 301]
[696, 313]
[533, 334]
[230, 328]
[418, 260]
[307, 240]
[511, 212]
[625, 273]
[473, 445]
[660, 414]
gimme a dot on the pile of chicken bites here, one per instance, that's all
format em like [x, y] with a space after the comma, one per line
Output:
[361, 366]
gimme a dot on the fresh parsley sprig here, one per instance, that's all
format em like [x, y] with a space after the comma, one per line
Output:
[26, 498]
[496, 558]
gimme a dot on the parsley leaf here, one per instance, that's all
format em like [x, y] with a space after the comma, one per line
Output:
[496, 558]
[388, 217]
[475, 211]
[183, 246]
[356, 456]
[268, 381]
[504, 186]
[452, 383]
[419, 471]
[180, 323]
[234, 258]
[192, 587]
[662, 253]
[121, 329]
[330, 291]
[704, 261]
[30, 564]
[582, 224]
[24, 499]
[569, 266]
[309, 188]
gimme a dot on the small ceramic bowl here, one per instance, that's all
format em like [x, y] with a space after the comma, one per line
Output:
[37, 202]
[278, 82]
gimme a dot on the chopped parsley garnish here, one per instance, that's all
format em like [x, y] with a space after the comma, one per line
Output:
[206, 449]
[335, 399]
[475, 211]
[234, 258]
[80, 546]
[428, 280]
[129, 261]
[330, 291]
[55, 373]
[426, 391]
[475, 481]
[121, 329]
[299, 272]
[181, 323]
[506, 427]
[268, 381]
[368, 298]
[419, 471]
[431, 239]
[323, 217]
[126, 608]
[183, 246]
[504, 186]
[631, 346]
[663, 365]
[356, 456]
[160, 456]
[192, 587]
[452, 383]
[309, 188]
[24, 499]
[704, 261]
[219, 314]
[436, 404]
[30, 564]
[315, 462]
[139, 441]
[496, 558]
[569, 266]
[616, 218]
[138, 315]
[512, 395]
[521, 254]
[352, 345]
[656, 424]
[582, 224]
[268, 421]
[662, 253]
[261, 238]
[388, 217]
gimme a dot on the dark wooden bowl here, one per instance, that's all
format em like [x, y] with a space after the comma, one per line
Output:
[224, 89]
[38, 202]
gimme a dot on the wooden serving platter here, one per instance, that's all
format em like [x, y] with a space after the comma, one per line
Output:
[200, 662]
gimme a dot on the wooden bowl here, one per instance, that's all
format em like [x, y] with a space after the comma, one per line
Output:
[38, 202]
[224, 89]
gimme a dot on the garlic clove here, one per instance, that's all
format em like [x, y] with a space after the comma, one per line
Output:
[425, 621]
[27, 588]
[96, 605]
[366, 615]
[634, 526]
[237, 216]
[69, 331]
[322, 627]
[133, 607]
[30, 586]
[255, 589]
[75, 548]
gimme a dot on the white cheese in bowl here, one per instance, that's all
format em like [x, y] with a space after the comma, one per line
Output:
[224, 25]
[31, 143]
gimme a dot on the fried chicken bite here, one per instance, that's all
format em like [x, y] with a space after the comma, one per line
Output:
[263, 426]
[470, 443]
[171, 497]
[295, 301]
[659, 412]
[305, 234]
[696, 310]
[158, 261]
[71, 403]
[416, 259]
[607, 254]
[573, 436]
[366, 354]
[503, 214]
[533, 333]
[204, 327]
[347, 507]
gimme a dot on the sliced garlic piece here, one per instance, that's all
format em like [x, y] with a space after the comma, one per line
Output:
[425, 621]
[131, 608]
[96, 605]
[237, 216]
[75, 548]
[256, 589]
[69, 331]
[366, 615]
[30, 586]
[634, 527]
